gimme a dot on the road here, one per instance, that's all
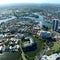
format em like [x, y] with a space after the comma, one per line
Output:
[22, 54]
[41, 53]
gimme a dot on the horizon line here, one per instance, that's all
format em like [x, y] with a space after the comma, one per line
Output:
[28, 3]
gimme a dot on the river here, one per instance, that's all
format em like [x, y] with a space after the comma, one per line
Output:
[4, 20]
[40, 19]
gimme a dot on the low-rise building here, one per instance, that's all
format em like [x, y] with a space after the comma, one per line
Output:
[28, 41]
[29, 44]
[2, 48]
[45, 34]
[14, 48]
[51, 57]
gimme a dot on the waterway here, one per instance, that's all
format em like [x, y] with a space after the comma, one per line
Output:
[40, 19]
[4, 20]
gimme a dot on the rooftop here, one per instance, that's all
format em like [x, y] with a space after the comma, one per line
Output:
[51, 57]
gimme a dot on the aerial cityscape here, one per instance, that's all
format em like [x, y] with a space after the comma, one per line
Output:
[30, 31]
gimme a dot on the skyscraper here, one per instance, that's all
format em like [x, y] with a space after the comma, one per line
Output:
[55, 24]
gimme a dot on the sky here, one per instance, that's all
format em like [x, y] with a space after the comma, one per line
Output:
[28, 1]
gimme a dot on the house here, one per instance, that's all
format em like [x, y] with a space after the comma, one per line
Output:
[14, 48]
[19, 35]
[2, 49]
[34, 32]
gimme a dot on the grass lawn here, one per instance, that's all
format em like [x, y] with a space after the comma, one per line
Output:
[10, 56]
[56, 46]
[48, 53]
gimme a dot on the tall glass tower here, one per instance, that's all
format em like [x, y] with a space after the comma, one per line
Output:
[55, 24]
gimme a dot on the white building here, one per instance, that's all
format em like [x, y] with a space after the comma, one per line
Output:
[51, 57]
[28, 43]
